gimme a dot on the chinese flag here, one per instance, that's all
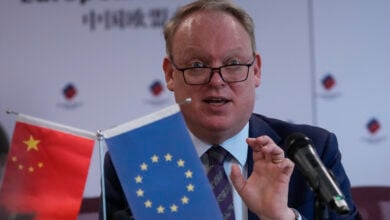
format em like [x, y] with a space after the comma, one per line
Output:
[46, 170]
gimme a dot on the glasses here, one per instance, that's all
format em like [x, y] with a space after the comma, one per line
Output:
[230, 73]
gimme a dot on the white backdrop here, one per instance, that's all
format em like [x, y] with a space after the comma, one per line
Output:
[107, 55]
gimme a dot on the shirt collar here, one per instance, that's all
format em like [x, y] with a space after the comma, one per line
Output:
[236, 145]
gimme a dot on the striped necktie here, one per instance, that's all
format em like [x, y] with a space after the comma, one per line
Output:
[219, 181]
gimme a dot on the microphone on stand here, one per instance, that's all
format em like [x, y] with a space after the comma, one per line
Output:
[301, 151]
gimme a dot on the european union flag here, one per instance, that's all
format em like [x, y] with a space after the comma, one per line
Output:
[159, 169]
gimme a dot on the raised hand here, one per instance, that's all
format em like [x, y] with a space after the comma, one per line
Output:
[265, 192]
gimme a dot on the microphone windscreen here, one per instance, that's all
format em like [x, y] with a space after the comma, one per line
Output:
[294, 142]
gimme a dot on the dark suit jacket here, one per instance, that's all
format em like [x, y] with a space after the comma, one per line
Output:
[300, 196]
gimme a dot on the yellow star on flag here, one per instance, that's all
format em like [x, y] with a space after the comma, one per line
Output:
[154, 159]
[188, 174]
[140, 193]
[160, 209]
[32, 144]
[138, 179]
[168, 157]
[190, 187]
[180, 163]
[174, 208]
[185, 200]
[148, 204]
[144, 167]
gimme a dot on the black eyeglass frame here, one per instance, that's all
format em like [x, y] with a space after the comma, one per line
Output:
[213, 70]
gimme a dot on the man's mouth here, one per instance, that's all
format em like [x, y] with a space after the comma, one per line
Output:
[216, 101]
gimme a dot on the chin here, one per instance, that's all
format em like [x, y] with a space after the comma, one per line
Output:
[217, 125]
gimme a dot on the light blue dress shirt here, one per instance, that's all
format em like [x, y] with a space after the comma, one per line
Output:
[238, 149]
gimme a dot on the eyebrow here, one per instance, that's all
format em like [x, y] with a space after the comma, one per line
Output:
[202, 56]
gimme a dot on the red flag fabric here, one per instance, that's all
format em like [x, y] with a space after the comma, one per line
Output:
[46, 169]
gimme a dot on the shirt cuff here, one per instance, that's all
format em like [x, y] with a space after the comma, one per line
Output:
[297, 215]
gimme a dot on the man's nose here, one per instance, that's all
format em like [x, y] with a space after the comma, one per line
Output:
[216, 76]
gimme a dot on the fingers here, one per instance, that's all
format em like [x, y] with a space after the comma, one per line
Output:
[237, 179]
[265, 149]
[286, 167]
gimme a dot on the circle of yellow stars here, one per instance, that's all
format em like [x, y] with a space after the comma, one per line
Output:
[160, 209]
[32, 145]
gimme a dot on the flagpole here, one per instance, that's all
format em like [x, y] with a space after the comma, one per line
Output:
[103, 188]
[9, 112]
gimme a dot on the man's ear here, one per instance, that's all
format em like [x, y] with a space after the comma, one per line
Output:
[168, 71]
[257, 69]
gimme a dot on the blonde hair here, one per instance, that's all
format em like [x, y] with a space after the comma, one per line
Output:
[226, 6]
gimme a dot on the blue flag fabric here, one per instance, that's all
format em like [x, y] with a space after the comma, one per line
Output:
[159, 169]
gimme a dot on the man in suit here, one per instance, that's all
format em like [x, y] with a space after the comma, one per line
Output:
[212, 59]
